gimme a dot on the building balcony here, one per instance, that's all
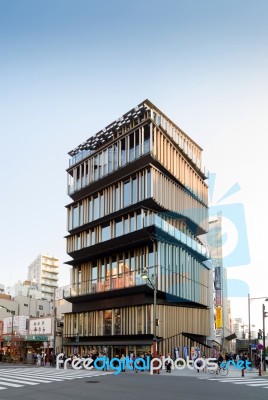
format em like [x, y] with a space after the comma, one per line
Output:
[123, 281]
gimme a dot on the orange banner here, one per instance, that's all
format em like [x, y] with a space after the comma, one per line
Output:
[218, 317]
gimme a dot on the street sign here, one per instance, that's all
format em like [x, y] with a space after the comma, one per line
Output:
[260, 346]
[253, 346]
[36, 338]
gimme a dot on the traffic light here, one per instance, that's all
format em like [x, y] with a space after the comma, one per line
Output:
[77, 337]
[260, 334]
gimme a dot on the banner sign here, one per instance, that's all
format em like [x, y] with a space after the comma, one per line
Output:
[176, 352]
[218, 298]
[185, 352]
[37, 338]
[217, 279]
[218, 317]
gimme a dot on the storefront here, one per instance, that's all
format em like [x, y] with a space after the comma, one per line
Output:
[112, 347]
[39, 345]
[13, 349]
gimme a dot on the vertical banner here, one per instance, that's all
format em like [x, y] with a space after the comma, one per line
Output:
[197, 353]
[218, 297]
[176, 352]
[217, 278]
[185, 352]
[218, 317]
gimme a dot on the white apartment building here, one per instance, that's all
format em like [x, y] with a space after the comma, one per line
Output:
[44, 271]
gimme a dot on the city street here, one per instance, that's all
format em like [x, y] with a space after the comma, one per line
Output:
[31, 383]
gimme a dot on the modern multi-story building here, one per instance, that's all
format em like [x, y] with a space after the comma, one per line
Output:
[139, 200]
[44, 271]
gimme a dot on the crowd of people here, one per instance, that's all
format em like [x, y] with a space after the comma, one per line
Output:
[40, 359]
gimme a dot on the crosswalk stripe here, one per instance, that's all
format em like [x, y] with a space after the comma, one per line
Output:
[11, 384]
[19, 377]
[254, 382]
[31, 379]
[257, 384]
[243, 381]
[35, 377]
[16, 381]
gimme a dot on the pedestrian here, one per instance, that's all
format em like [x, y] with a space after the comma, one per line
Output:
[204, 363]
[168, 363]
[244, 359]
[39, 357]
[123, 362]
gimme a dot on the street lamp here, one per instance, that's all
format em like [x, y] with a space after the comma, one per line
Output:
[12, 323]
[264, 315]
[249, 326]
[249, 300]
[153, 283]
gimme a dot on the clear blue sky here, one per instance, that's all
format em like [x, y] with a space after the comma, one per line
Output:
[69, 68]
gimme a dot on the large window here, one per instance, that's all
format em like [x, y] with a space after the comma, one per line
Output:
[105, 162]
[126, 227]
[148, 183]
[127, 194]
[107, 322]
[117, 321]
[110, 159]
[81, 214]
[106, 232]
[139, 221]
[96, 167]
[137, 144]
[134, 191]
[96, 207]
[123, 152]
[117, 198]
[115, 156]
[101, 205]
[100, 165]
[146, 139]
[75, 216]
[131, 147]
[118, 227]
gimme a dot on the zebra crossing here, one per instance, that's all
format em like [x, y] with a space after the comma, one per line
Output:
[253, 382]
[22, 377]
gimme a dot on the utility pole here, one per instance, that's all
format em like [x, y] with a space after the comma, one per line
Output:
[264, 315]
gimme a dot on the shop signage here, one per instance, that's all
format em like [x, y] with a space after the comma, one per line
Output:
[35, 338]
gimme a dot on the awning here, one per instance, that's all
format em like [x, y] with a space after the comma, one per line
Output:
[231, 337]
[196, 338]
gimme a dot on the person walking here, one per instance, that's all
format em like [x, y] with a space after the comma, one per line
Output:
[168, 363]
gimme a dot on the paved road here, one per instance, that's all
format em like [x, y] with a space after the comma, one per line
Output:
[33, 383]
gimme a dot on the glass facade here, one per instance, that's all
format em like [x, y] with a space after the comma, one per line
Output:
[122, 152]
[111, 199]
[132, 222]
[117, 321]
